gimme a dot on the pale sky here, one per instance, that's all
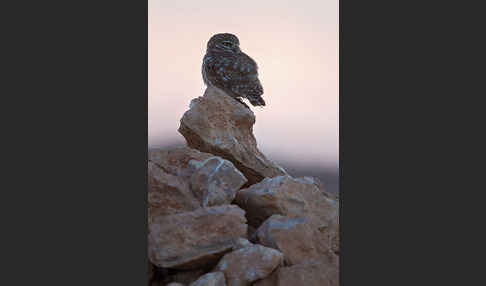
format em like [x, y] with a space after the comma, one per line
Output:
[295, 44]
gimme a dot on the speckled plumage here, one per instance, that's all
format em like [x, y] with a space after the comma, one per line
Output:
[226, 67]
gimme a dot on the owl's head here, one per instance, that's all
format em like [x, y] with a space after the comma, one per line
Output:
[224, 42]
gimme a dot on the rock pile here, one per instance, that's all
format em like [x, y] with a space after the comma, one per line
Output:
[221, 213]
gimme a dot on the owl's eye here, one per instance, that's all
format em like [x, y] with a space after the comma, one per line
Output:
[227, 44]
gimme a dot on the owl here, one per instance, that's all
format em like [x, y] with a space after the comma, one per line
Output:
[226, 67]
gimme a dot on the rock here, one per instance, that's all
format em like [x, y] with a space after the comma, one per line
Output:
[186, 277]
[293, 198]
[177, 161]
[332, 230]
[193, 239]
[216, 182]
[292, 236]
[270, 280]
[183, 179]
[251, 232]
[220, 125]
[332, 234]
[246, 265]
[309, 274]
[210, 279]
[168, 194]
[289, 197]
[319, 184]
[175, 284]
[241, 243]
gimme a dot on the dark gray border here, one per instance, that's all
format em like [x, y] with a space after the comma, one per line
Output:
[401, 66]
[78, 168]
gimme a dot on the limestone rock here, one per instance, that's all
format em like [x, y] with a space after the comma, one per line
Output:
[332, 232]
[251, 232]
[192, 239]
[292, 236]
[210, 279]
[293, 198]
[270, 280]
[220, 125]
[286, 196]
[184, 179]
[168, 194]
[177, 161]
[246, 265]
[241, 243]
[310, 274]
[320, 185]
[216, 182]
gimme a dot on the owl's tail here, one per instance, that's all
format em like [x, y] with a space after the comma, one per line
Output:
[257, 101]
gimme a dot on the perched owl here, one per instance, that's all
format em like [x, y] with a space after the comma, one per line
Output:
[226, 67]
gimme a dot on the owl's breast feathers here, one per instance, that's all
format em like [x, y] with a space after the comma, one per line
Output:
[237, 73]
